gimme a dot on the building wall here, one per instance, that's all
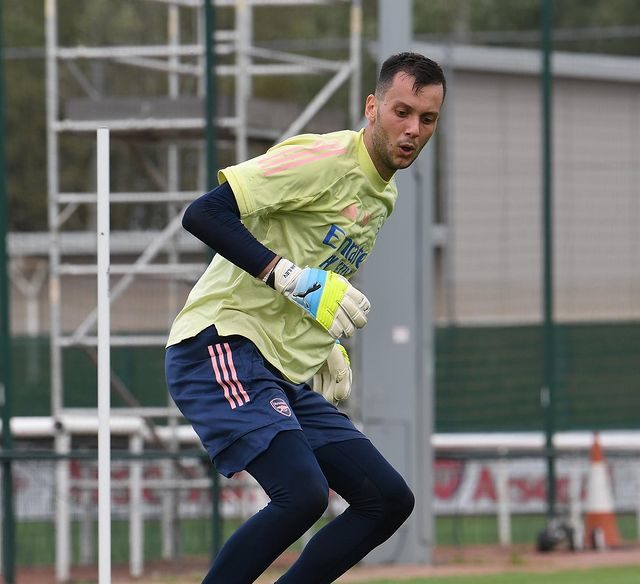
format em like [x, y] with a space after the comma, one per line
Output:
[492, 259]
[495, 246]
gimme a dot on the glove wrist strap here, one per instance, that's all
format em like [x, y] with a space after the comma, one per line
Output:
[270, 277]
[283, 276]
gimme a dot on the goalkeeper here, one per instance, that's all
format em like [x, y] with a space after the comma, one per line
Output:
[289, 228]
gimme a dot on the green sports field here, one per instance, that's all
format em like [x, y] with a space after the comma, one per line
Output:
[35, 540]
[600, 575]
[608, 575]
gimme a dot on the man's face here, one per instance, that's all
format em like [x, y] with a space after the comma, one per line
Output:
[401, 123]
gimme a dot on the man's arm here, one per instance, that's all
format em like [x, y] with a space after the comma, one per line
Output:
[214, 218]
[334, 304]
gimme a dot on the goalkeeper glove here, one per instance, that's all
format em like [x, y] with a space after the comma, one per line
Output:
[333, 379]
[334, 303]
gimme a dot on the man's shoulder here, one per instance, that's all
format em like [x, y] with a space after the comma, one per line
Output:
[312, 156]
[340, 140]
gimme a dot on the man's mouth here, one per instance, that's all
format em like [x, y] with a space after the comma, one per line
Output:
[407, 149]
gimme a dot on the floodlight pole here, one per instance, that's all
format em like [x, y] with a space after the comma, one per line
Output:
[548, 389]
[8, 520]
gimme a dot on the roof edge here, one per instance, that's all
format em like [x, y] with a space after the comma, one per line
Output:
[529, 62]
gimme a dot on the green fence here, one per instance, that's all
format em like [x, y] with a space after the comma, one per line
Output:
[141, 369]
[487, 378]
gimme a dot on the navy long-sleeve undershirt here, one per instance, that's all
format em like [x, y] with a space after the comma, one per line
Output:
[214, 218]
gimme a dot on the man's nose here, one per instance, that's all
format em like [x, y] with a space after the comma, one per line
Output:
[412, 127]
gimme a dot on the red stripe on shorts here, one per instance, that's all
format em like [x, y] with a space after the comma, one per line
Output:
[234, 375]
[220, 379]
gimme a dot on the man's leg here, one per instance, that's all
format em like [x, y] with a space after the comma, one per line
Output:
[291, 477]
[379, 502]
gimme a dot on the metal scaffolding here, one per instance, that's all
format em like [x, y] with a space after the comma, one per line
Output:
[173, 122]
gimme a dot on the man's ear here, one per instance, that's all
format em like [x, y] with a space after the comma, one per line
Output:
[370, 108]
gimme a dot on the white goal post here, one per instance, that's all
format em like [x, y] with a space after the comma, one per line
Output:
[104, 360]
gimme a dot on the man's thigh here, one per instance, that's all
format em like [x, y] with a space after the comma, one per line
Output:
[222, 387]
[321, 421]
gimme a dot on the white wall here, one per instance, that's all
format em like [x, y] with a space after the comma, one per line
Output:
[495, 198]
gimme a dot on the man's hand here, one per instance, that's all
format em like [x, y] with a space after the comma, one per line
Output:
[333, 379]
[334, 303]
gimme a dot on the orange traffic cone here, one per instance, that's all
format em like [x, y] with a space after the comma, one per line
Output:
[601, 530]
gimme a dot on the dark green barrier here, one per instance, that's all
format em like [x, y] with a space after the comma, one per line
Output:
[487, 378]
[140, 368]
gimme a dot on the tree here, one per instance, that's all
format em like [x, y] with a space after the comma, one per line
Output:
[581, 25]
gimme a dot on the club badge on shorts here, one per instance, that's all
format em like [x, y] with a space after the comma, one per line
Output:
[280, 406]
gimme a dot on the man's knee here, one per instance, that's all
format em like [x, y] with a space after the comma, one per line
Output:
[308, 498]
[396, 502]
[399, 503]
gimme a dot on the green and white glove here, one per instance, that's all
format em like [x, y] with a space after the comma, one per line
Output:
[329, 298]
[333, 379]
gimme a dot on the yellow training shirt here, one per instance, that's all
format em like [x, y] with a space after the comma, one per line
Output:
[316, 200]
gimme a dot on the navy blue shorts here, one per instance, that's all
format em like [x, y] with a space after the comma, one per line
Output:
[237, 402]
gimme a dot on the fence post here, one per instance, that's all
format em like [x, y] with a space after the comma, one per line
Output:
[575, 504]
[86, 519]
[638, 503]
[136, 512]
[502, 492]
[63, 523]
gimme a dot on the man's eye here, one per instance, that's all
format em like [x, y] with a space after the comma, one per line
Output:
[401, 113]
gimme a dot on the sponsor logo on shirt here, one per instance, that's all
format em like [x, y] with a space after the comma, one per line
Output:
[348, 255]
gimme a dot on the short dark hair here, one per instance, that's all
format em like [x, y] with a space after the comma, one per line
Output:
[422, 69]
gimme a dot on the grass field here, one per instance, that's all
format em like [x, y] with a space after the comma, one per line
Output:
[478, 565]
[35, 540]
[599, 575]
[461, 541]
[609, 575]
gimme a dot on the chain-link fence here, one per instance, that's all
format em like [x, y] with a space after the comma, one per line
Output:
[162, 506]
